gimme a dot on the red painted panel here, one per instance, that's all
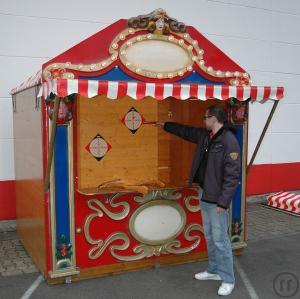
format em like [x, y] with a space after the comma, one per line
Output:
[266, 178]
[102, 227]
[7, 200]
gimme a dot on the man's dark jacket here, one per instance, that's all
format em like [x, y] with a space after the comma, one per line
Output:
[217, 161]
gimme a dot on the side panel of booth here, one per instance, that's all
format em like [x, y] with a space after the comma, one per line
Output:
[61, 205]
[28, 153]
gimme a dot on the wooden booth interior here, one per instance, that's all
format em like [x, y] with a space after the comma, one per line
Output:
[149, 156]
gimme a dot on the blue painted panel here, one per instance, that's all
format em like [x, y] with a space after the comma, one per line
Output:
[196, 78]
[116, 74]
[61, 162]
[237, 199]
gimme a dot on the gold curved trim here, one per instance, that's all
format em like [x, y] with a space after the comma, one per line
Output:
[102, 209]
[62, 67]
[167, 194]
[169, 203]
[143, 250]
[236, 238]
[190, 207]
[100, 247]
[64, 263]
[174, 247]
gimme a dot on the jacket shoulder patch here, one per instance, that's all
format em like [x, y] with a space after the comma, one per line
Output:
[234, 155]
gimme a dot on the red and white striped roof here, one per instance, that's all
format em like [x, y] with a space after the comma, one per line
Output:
[159, 91]
[30, 82]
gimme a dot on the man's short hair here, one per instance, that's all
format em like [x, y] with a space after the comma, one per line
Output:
[219, 112]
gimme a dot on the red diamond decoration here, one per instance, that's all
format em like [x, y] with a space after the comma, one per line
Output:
[133, 120]
[98, 147]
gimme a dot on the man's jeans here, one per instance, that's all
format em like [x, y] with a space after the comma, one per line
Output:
[220, 260]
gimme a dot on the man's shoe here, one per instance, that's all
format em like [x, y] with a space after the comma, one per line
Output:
[207, 276]
[225, 289]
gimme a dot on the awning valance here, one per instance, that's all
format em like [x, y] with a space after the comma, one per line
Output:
[159, 91]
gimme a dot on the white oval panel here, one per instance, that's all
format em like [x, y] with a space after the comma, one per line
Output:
[157, 56]
[157, 222]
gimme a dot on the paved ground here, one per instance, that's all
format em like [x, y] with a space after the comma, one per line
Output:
[269, 268]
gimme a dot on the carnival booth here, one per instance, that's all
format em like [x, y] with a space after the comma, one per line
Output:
[100, 189]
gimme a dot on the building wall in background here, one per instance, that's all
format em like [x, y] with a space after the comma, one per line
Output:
[261, 36]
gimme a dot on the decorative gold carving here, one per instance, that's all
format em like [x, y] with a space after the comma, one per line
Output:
[157, 22]
[190, 207]
[175, 247]
[158, 194]
[101, 245]
[64, 263]
[142, 250]
[59, 69]
[93, 203]
[236, 238]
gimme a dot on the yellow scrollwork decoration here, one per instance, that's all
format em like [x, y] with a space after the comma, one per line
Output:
[142, 250]
[158, 194]
[99, 207]
[190, 207]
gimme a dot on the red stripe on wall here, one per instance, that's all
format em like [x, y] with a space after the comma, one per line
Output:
[266, 178]
[263, 178]
[7, 200]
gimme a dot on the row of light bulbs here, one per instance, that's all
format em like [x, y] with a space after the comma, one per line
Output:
[185, 41]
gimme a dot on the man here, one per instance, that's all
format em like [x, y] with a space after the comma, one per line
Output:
[216, 168]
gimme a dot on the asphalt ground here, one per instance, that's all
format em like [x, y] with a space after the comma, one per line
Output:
[268, 268]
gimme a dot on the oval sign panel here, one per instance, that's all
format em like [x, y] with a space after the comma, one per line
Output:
[157, 222]
[157, 56]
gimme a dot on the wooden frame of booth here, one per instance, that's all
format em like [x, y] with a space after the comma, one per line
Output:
[75, 213]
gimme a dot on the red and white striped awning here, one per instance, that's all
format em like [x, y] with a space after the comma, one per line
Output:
[159, 91]
[30, 82]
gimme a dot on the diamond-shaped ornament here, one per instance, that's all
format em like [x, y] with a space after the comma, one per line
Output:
[98, 147]
[133, 120]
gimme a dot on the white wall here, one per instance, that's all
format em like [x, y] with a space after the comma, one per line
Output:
[261, 36]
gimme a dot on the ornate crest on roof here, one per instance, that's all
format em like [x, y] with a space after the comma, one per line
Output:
[157, 22]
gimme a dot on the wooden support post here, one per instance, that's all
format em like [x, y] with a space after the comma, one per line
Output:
[262, 136]
[51, 144]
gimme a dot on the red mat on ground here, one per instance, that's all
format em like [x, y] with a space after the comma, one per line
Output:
[285, 201]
